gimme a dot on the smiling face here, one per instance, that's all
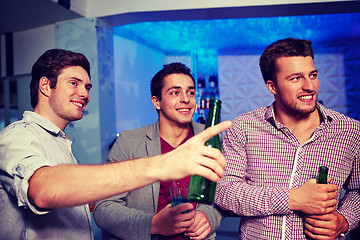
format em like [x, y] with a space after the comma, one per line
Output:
[68, 99]
[178, 102]
[297, 86]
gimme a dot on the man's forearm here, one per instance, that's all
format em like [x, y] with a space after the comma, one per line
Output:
[72, 185]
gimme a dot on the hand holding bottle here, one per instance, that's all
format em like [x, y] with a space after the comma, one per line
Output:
[313, 198]
[329, 225]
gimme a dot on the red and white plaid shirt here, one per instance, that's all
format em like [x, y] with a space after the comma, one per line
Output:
[265, 160]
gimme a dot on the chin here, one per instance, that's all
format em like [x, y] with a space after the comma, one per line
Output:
[76, 118]
[306, 110]
[185, 122]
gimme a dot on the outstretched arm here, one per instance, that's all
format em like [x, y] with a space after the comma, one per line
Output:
[71, 185]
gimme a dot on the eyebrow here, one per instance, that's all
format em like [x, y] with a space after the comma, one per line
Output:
[178, 87]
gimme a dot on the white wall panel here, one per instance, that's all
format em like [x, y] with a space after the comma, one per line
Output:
[242, 88]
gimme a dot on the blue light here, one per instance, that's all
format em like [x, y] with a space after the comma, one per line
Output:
[207, 38]
[184, 36]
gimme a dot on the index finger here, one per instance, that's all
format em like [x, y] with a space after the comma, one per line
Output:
[212, 131]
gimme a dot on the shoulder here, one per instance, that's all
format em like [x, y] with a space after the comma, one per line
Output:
[142, 131]
[341, 120]
[21, 127]
[254, 116]
[131, 144]
[138, 136]
[197, 127]
[31, 124]
[252, 122]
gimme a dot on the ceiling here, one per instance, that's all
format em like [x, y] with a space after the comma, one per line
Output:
[183, 37]
[216, 29]
[227, 28]
[207, 38]
[20, 15]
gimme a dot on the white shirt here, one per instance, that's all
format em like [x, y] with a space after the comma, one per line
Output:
[26, 146]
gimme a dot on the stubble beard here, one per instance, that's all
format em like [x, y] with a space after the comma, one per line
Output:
[292, 109]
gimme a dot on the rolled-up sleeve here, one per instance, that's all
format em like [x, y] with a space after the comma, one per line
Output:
[21, 155]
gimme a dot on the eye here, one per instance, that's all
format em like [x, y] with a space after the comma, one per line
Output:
[314, 75]
[74, 83]
[191, 93]
[175, 93]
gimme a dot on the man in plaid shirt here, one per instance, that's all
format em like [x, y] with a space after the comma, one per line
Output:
[274, 153]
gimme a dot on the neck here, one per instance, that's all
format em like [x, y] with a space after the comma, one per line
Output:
[60, 123]
[174, 134]
[302, 126]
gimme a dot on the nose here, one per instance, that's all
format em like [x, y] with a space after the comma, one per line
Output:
[308, 84]
[185, 98]
[84, 94]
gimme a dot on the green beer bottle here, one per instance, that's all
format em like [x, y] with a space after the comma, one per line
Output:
[202, 190]
[322, 178]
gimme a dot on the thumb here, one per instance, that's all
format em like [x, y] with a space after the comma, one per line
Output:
[168, 206]
[329, 179]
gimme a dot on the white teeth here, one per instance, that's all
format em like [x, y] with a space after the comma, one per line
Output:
[184, 110]
[79, 104]
[306, 97]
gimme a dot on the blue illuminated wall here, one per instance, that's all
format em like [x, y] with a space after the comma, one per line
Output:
[232, 47]
[135, 65]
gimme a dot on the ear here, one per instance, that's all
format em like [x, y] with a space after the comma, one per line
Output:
[155, 101]
[271, 86]
[44, 86]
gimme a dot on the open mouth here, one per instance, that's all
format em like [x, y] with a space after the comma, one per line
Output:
[184, 110]
[306, 98]
[80, 105]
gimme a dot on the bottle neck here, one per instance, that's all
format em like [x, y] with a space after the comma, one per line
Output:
[214, 113]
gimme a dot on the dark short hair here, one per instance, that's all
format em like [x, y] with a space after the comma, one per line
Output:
[50, 64]
[288, 47]
[157, 84]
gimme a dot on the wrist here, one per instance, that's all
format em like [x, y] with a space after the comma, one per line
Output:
[343, 223]
[153, 228]
[292, 202]
[151, 168]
